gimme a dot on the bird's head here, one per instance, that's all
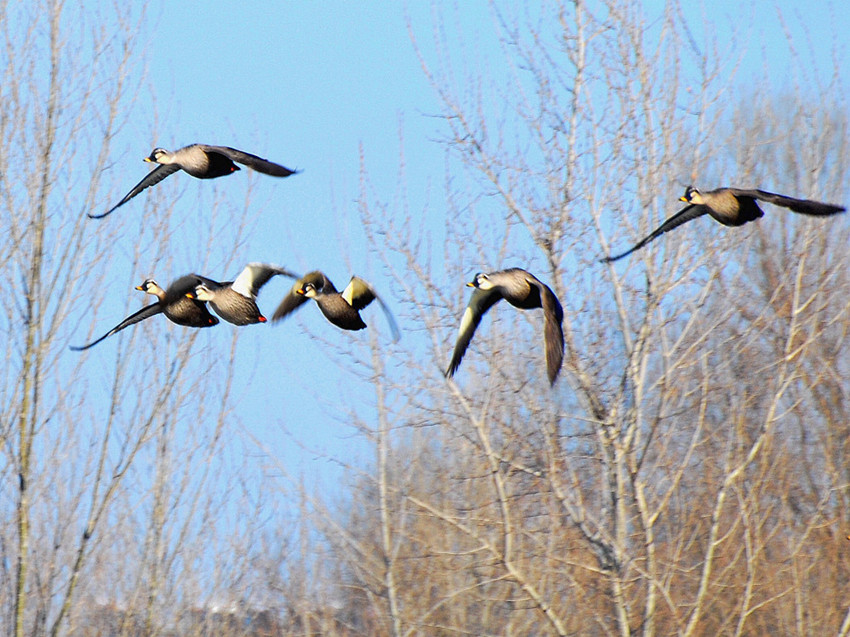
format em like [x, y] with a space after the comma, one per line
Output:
[156, 155]
[692, 195]
[149, 286]
[308, 290]
[201, 293]
[480, 281]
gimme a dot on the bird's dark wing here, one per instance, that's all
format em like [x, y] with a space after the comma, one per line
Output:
[359, 293]
[687, 213]
[153, 177]
[256, 275]
[553, 333]
[292, 301]
[252, 161]
[479, 303]
[146, 312]
[804, 206]
[186, 284]
[289, 304]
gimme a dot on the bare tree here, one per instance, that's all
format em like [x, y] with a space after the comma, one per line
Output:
[686, 475]
[118, 485]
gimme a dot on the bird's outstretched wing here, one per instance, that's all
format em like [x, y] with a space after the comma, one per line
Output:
[691, 211]
[187, 283]
[479, 303]
[141, 315]
[553, 333]
[153, 177]
[804, 206]
[256, 275]
[252, 161]
[359, 293]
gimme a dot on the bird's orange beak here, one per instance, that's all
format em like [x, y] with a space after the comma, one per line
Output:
[683, 198]
[139, 288]
[190, 295]
[300, 291]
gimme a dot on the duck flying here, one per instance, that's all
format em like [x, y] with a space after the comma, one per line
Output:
[731, 207]
[236, 301]
[172, 302]
[523, 290]
[340, 308]
[202, 161]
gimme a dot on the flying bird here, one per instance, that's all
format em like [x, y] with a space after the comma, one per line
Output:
[172, 302]
[731, 207]
[236, 301]
[340, 308]
[202, 161]
[523, 290]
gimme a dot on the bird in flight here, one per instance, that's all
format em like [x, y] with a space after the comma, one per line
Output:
[731, 207]
[202, 161]
[523, 290]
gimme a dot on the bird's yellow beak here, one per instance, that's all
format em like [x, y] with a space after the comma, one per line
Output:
[300, 291]
[139, 288]
[190, 295]
[470, 285]
[683, 198]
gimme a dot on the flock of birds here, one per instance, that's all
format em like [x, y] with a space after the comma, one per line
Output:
[185, 301]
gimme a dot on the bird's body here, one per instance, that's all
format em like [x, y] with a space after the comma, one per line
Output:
[335, 308]
[523, 290]
[731, 207]
[172, 302]
[725, 207]
[176, 306]
[202, 161]
[340, 308]
[236, 301]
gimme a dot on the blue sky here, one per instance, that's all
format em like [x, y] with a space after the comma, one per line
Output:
[308, 85]
[307, 88]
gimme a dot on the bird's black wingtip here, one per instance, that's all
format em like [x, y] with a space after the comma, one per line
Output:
[100, 216]
[454, 365]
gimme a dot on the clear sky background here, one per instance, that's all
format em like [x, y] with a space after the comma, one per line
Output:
[308, 85]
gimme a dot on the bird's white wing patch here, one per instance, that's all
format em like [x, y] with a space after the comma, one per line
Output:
[358, 293]
[348, 293]
[468, 320]
[244, 283]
